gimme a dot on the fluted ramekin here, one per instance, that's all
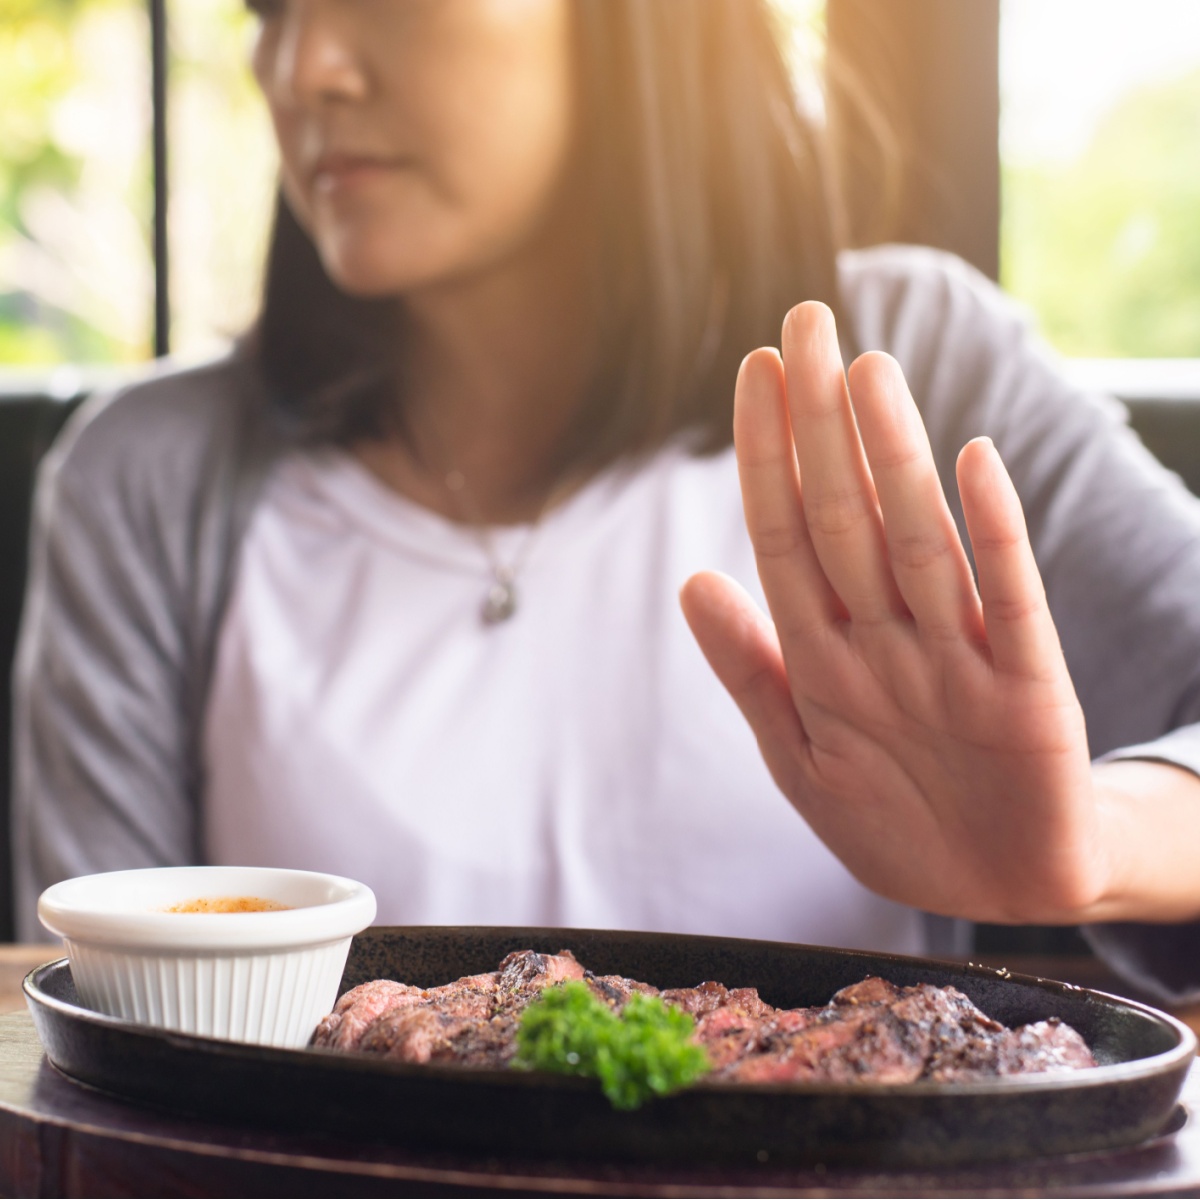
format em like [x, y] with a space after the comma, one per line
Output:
[265, 977]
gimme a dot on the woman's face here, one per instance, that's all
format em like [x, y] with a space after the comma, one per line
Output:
[422, 141]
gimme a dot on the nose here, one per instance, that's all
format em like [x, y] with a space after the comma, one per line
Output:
[316, 60]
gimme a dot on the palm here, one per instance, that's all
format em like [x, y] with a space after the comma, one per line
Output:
[927, 731]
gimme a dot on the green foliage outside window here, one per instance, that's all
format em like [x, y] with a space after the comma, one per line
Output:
[76, 266]
[75, 282]
[1106, 249]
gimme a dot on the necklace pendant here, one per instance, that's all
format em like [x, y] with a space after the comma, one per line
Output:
[500, 602]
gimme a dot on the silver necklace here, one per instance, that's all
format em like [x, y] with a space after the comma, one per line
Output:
[500, 600]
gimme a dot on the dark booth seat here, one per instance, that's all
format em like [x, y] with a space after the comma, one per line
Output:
[30, 420]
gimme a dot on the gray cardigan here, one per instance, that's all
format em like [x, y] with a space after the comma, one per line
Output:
[142, 503]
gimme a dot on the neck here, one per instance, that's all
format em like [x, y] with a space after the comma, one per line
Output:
[493, 370]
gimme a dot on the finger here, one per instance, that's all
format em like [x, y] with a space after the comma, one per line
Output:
[796, 589]
[743, 650]
[927, 558]
[1020, 630]
[839, 497]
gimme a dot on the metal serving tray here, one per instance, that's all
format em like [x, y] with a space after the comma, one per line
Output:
[1144, 1056]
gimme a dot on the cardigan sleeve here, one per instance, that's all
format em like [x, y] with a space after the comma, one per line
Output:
[98, 721]
[137, 513]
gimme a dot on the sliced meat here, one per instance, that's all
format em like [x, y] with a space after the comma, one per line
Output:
[728, 1035]
[784, 1021]
[473, 996]
[872, 1031]
[1046, 1046]
[355, 1011]
[748, 1001]
[708, 997]
[524, 974]
[698, 1000]
[827, 1048]
[615, 990]
[872, 990]
[414, 1035]
[491, 1043]
[878, 1032]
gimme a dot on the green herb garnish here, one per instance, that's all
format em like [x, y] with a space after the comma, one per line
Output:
[645, 1051]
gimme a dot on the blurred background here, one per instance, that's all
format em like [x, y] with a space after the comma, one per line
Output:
[1055, 143]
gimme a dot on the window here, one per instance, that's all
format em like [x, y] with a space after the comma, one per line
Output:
[1099, 160]
[76, 283]
[1100, 151]
[77, 263]
[223, 167]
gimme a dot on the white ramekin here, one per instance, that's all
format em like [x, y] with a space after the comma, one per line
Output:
[264, 977]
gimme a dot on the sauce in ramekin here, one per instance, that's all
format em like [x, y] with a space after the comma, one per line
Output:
[227, 904]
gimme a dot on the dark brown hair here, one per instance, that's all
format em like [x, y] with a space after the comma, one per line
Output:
[713, 197]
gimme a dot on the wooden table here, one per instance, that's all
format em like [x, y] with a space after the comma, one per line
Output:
[57, 1138]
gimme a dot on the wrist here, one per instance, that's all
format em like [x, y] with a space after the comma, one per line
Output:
[1147, 843]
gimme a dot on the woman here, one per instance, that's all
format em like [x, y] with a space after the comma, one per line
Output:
[393, 590]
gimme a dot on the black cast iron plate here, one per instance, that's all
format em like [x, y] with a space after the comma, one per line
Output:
[1144, 1057]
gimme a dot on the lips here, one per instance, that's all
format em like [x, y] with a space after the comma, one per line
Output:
[332, 172]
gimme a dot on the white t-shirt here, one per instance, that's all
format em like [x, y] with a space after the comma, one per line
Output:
[577, 765]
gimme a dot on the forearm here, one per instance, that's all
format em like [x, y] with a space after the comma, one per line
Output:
[1150, 823]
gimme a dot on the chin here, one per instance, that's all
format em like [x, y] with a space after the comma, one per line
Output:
[371, 271]
[365, 283]
[357, 267]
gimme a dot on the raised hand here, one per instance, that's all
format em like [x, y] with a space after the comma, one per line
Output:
[927, 731]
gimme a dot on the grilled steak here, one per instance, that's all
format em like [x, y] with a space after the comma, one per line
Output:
[354, 1012]
[471, 1021]
[871, 1032]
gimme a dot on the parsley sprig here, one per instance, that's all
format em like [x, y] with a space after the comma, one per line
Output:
[644, 1051]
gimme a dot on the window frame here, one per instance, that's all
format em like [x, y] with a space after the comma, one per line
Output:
[161, 177]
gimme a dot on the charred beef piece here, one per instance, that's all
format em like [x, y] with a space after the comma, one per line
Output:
[879, 1033]
[981, 1057]
[708, 997]
[492, 1043]
[491, 1039]
[872, 1031]
[421, 1035]
[354, 1012]
[728, 1035]
[1045, 1046]
[869, 1031]
[413, 1035]
[524, 973]
[470, 998]
[729, 1023]
[615, 990]
[470, 1021]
